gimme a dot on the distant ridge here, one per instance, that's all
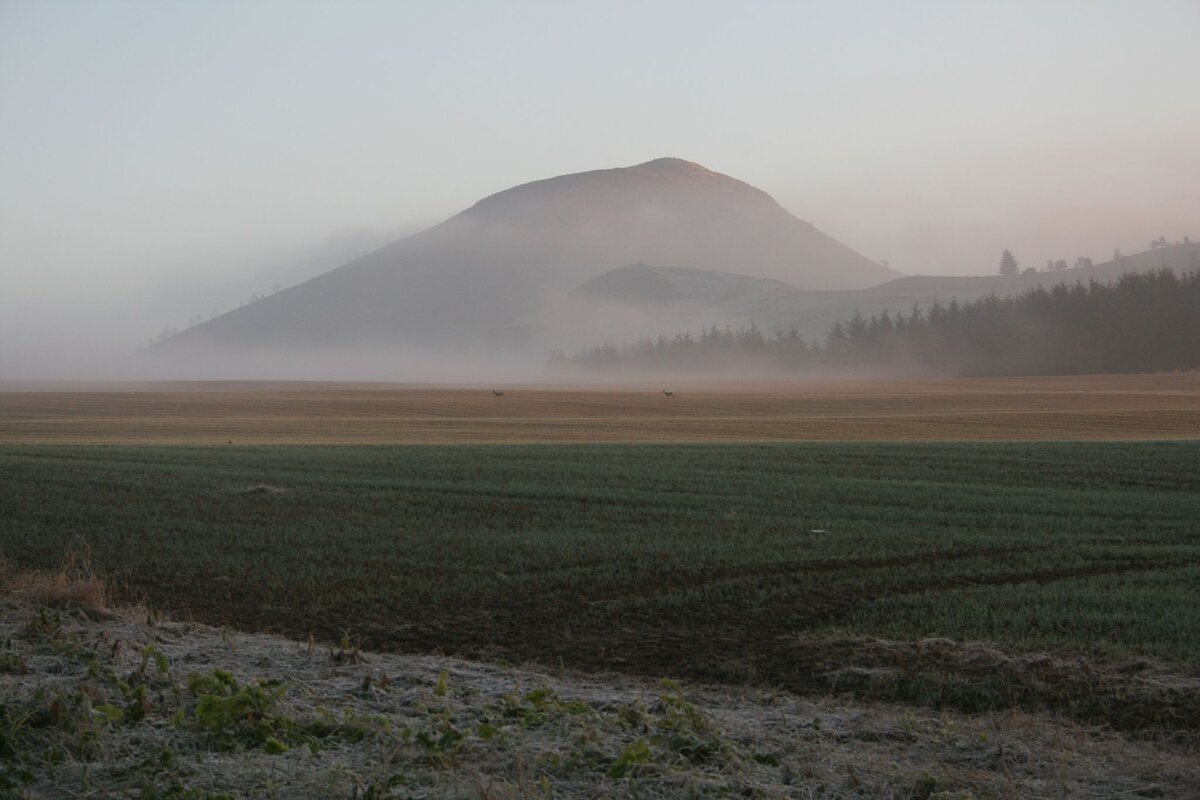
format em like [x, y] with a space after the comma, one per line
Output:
[652, 285]
[683, 299]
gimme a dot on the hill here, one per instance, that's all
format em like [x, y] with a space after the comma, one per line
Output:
[497, 274]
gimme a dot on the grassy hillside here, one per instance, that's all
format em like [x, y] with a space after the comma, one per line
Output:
[778, 564]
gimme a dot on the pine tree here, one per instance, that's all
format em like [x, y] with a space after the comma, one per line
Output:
[1008, 264]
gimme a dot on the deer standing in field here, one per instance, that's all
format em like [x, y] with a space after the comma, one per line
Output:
[668, 394]
[497, 394]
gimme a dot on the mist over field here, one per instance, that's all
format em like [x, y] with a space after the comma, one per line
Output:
[306, 191]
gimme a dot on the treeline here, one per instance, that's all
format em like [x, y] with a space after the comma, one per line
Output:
[1141, 323]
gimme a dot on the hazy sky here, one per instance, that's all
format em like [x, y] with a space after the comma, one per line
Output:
[153, 152]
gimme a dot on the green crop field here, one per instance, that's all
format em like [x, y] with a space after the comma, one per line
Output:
[809, 566]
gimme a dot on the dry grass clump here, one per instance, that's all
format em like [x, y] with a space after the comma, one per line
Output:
[74, 586]
[1135, 695]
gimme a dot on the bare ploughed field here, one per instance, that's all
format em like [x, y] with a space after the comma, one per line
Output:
[1162, 406]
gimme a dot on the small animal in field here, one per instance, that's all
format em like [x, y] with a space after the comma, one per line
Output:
[668, 394]
[497, 394]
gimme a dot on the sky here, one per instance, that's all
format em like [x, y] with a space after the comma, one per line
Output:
[160, 159]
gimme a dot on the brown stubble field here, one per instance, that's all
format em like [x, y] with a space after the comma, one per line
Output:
[1101, 407]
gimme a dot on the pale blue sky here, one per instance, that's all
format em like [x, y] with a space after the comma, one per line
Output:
[150, 145]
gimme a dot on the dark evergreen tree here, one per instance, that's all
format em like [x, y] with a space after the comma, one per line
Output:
[1008, 264]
